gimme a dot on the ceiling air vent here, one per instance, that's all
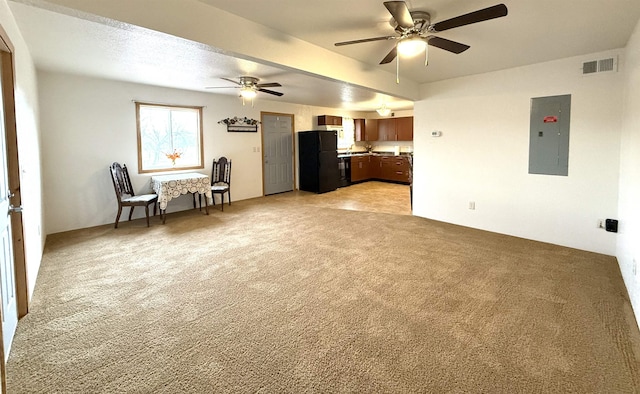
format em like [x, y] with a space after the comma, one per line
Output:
[599, 66]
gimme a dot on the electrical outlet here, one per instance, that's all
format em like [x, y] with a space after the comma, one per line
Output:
[600, 223]
[472, 205]
[635, 268]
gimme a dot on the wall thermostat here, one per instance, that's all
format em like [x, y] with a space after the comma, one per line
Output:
[436, 133]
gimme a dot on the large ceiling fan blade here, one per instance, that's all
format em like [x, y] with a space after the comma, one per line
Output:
[231, 80]
[271, 92]
[400, 12]
[390, 56]
[364, 40]
[268, 85]
[485, 14]
[447, 45]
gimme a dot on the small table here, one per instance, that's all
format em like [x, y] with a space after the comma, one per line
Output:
[171, 186]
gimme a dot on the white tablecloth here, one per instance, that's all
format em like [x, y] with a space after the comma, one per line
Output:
[171, 186]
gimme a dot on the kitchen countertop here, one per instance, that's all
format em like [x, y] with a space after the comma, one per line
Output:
[341, 155]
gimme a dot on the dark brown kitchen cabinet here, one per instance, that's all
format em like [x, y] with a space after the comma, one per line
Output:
[375, 169]
[399, 170]
[387, 129]
[395, 129]
[404, 129]
[360, 168]
[329, 120]
[371, 129]
[359, 126]
[366, 129]
[384, 168]
[393, 168]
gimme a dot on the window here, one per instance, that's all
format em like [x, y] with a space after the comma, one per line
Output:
[169, 137]
[346, 136]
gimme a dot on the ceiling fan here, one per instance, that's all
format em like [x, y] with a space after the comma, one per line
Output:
[415, 31]
[249, 87]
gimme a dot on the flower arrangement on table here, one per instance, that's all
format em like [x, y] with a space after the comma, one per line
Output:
[239, 121]
[173, 156]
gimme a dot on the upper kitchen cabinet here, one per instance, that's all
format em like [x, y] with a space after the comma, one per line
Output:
[366, 129]
[395, 129]
[371, 129]
[360, 129]
[329, 120]
[387, 129]
[404, 128]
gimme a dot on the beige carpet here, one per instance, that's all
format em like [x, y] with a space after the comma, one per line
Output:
[274, 295]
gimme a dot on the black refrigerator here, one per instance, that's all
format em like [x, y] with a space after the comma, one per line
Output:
[318, 157]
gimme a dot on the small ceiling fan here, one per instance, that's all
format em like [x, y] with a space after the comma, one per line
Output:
[249, 87]
[415, 31]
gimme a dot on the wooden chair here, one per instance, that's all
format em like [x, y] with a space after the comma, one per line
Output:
[221, 180]
[122, 186]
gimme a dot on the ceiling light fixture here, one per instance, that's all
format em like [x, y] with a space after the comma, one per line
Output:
[411, 46]
[248, 92]
[383, 110]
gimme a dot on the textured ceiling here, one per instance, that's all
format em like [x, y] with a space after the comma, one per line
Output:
[67, 39]
[105, 49]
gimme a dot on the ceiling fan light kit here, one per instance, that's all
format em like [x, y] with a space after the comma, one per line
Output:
[247, 92]
[411, 46]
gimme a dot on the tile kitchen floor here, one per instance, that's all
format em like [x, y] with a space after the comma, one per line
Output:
[368, 196]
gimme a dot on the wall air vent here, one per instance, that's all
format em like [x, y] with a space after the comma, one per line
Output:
[605, 64]
[600, 66]
[590, 67]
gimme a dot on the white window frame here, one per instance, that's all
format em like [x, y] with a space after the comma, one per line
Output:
[162, 163]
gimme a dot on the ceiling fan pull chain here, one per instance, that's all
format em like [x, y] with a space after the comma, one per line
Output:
[426, 55]
[398, 70]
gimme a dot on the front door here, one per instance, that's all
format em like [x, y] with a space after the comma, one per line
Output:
[277, 143]
[7, 274]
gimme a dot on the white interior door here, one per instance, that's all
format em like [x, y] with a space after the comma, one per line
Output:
[277, 135]
[7, 274]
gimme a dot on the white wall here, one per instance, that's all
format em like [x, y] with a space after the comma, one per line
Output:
[482, 155]
[628, 247]
[27, 124]
[88, 123]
